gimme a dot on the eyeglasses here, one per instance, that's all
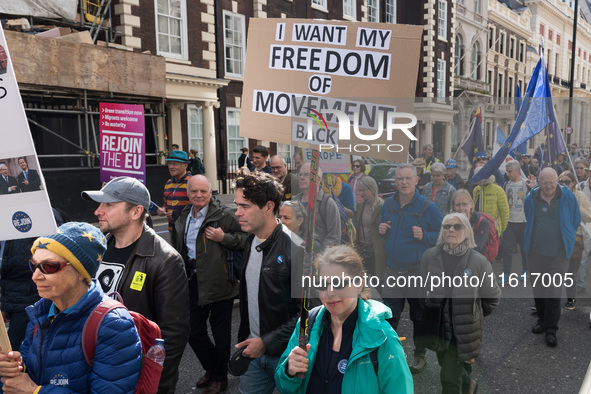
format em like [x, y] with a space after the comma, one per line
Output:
[47, 267]
[580, 168]
[304, 174]
[356, 166]
[456, 227]
[564, 182]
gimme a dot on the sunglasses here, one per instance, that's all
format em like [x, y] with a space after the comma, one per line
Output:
[457, 226]
[564, 182]
[356, 166]
[48, 267]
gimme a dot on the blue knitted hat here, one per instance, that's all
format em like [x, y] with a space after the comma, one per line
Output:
[82, 244]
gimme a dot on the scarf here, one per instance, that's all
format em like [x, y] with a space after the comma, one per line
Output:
[460, 250]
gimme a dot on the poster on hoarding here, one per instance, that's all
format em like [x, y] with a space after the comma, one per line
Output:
[338, 86]
[25, 210]
[123, 149]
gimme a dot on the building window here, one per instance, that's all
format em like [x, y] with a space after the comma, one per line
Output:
[319, 4]
[500, 86]
[512, 48]
[235, 142]
[558, 39]
[442, 20]
[234, 44]
[195, 122]
[491, 37]
[490, 80]
[171, 25]
[475, 61]
[390, 11]
[510, 87]
[284, 151]
[477, 6]
[521, 52]
[541, 30]
[441, 78]
[570, 45]
[373, 11]
[502, 43]
[349, 9]
[550, 34]
[458, 55]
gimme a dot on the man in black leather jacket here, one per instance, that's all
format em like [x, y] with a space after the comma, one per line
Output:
[144, 268]
[268, 312]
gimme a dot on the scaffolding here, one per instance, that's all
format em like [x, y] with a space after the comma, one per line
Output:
[65, 125]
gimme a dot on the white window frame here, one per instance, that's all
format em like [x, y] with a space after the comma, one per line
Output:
[477, 7]
[350, 9]
[184, 46]
[373, 5]
[458, 55]
[195, 141]
[441, 65]
[475, 65]
[236, 153]
[242, 45]
[320, 5]
[390, 8]
[442, 20]
[284, 150]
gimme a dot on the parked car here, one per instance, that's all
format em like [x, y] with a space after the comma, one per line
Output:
[384, 174]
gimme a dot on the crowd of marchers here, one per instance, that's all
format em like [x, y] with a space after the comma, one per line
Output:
[434, 223]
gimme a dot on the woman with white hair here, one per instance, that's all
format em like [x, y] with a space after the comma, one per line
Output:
[459, 304]
[439, 190]
[370, 245]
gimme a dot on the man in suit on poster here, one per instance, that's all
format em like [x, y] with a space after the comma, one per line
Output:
[28, 180]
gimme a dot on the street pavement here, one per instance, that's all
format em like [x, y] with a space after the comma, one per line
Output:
[512, 360]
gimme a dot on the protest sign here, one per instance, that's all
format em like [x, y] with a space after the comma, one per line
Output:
[342, 86]
[123, 151]
[25, 210]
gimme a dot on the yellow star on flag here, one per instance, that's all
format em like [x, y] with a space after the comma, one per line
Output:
[100, 257]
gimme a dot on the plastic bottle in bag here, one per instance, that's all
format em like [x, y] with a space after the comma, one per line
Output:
[157, 352]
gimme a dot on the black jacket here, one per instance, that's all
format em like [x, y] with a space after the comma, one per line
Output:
[279, 311]
[162, 297]
[5, 185]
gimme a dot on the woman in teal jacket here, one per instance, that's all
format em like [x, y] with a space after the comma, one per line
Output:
[352, 348]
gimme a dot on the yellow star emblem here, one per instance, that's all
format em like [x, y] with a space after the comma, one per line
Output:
[100, 257]
[88, 235]
[551, 135]
[508, 145]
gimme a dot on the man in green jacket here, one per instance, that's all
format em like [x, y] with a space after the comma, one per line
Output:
[207, 232]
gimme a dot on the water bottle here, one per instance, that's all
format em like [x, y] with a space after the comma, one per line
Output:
[157, 352]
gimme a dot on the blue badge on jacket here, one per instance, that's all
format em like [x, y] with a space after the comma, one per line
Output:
[280, 259]
[342, 365]
[467, 272]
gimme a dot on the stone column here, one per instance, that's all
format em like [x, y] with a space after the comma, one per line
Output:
[175, 132]
[428, 134]
[447, 143]
[209, 146]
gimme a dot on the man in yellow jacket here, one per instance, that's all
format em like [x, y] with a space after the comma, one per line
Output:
[490, 198]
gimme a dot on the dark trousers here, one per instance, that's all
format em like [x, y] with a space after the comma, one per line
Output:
[395, 297]
[17, 328]
[213, 356]
[513, 234]
[454, 374]
[547, 297]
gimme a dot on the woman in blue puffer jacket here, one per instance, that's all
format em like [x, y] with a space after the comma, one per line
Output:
[51, 358]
